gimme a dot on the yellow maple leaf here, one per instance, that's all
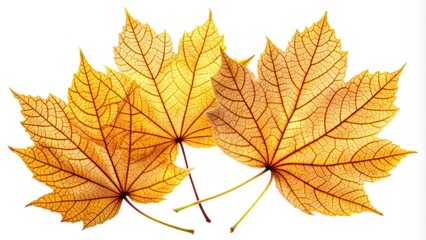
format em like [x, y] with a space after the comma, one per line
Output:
[315, 133]
[175, 88]
[83, 154]
[126, 125]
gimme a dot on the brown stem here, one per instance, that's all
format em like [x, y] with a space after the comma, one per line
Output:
[193, 185]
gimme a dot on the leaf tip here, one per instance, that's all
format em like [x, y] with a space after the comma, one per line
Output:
[411, 152]
[30, 204]
[129, 17]
[247, 61]
[225, 59]
[399, 71]
[15, 94]
[12, 91]
[222, 53]
[210, 114]
[269, 43]
[108, 69]
[127, 13]
[403, 66]
[11, 148]
[82, 57]
[268, 40]
[378, 213]
[323, 20]
[210, 15]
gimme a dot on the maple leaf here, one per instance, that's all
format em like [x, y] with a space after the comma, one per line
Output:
[83, 154]
[176, 85]
[315, 133]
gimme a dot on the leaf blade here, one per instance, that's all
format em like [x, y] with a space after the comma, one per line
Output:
[319, 138]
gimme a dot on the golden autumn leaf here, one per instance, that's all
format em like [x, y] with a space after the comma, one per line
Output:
[176, 85]
[82, 152]
[125, 125]
[174, 88]
[298, 119]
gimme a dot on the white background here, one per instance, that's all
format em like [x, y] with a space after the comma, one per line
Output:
[39, 52]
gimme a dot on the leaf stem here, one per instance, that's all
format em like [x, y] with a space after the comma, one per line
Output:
[158, 221]
[193, 185]
[220, 194]
[251, 207]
